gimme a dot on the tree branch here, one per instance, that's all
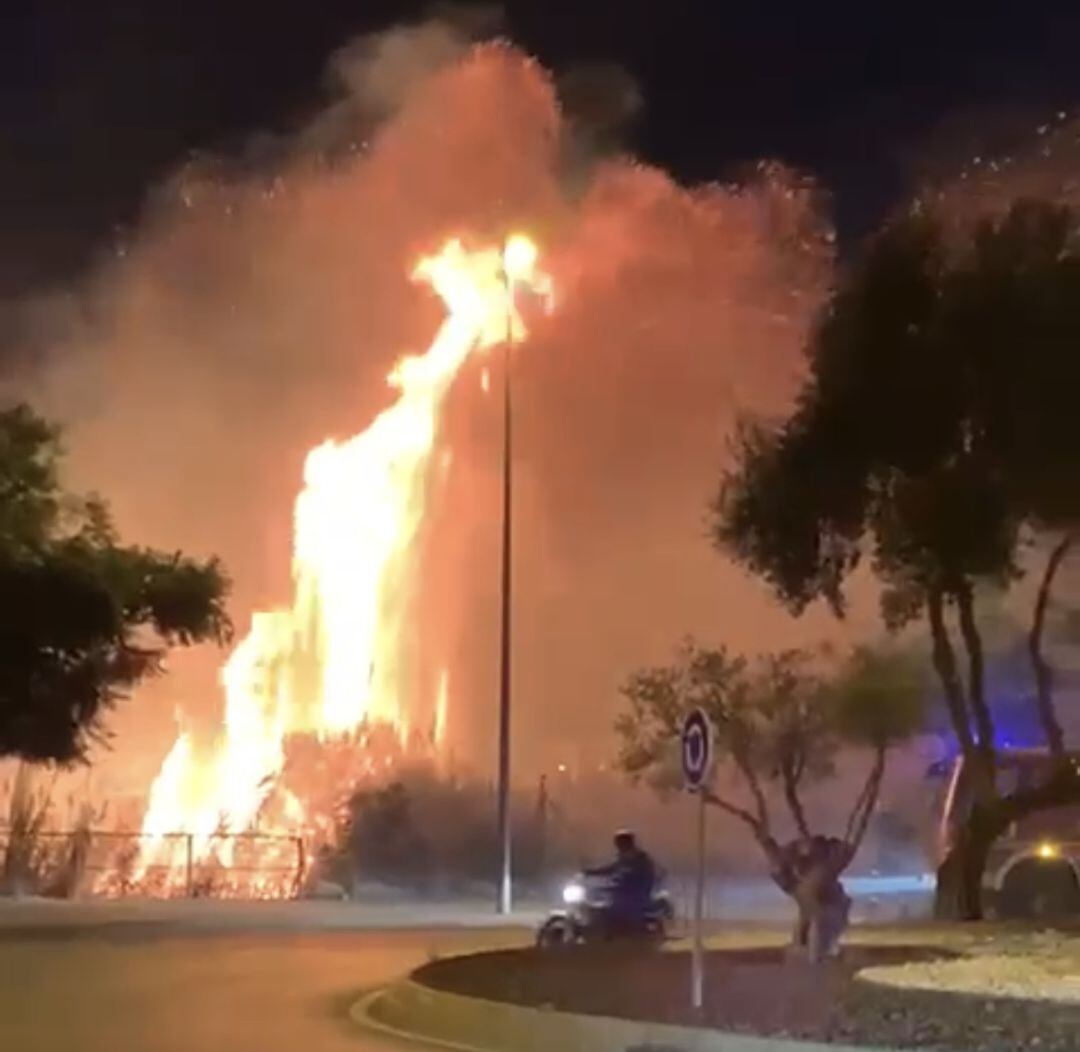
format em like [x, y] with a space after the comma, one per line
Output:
[944, 660]
[733, 809]
[859, 820]
[1044, 675]
[789, 777]
[800, 767]
[760, 831]
[857, 807]
[752, 783]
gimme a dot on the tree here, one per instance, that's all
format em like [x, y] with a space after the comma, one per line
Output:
[934, 435]
[84, 618]
[779, 722]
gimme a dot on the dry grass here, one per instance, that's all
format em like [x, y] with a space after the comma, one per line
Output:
[1039, 965]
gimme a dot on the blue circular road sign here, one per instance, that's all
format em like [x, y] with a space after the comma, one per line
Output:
[697, 745]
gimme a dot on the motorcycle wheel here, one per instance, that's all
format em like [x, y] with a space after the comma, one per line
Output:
[556, 932]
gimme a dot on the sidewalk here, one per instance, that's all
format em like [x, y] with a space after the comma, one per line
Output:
[227, 915]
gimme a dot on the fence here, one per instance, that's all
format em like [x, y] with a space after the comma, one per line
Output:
[875, 897]
[70, 863]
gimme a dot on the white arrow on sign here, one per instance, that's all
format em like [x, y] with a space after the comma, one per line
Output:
[697, 747]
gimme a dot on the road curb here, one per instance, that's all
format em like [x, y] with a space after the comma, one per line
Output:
[411, 1011]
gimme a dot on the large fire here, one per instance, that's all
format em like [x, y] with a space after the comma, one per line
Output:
[325, 668]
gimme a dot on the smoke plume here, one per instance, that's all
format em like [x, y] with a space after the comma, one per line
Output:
[262, 300]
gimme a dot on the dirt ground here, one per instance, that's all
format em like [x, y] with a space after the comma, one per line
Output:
[980, 988]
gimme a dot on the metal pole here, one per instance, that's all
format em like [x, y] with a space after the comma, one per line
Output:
[301, 865]
[697, 975]
[541, 824]
[505, 886]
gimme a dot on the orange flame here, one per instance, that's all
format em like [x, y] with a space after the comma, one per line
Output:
[326, 665]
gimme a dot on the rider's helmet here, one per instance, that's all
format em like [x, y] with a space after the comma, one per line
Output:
[625, 840]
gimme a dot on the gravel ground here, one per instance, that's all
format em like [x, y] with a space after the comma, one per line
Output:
[965, 990]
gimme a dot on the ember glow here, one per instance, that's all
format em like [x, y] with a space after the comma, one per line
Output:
[326, 668]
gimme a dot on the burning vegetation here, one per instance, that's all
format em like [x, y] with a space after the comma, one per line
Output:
[325, 666]
[258, 309]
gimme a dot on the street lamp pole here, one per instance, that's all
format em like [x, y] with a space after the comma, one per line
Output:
[505, 885]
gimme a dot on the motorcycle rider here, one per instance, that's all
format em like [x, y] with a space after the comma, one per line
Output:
[633, 878]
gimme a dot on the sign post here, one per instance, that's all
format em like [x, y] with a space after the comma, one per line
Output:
[697, 748]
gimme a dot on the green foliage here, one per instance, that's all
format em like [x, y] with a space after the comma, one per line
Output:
[31, 502]
[937, 422]
[781, 715]
[880, 697]
[83, 618]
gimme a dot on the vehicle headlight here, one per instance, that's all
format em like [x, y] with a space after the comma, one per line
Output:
[1048, 850]
[572, 894]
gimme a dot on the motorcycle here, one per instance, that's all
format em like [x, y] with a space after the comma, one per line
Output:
[586, 916]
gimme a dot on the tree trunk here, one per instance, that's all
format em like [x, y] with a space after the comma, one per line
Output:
[822, 917]
[1044, 681]
[944, 659]
[969, 632]
[812, 883]
[958, 894]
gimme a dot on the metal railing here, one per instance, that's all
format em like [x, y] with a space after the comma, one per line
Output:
[68, 863]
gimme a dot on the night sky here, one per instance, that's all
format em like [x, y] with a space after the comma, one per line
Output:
[99, 99]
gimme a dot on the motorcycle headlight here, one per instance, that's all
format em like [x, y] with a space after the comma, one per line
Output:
[572, 894]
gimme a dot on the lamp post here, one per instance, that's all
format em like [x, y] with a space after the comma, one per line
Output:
[505, 902]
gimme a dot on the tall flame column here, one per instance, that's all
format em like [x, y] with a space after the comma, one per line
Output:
[325, 663]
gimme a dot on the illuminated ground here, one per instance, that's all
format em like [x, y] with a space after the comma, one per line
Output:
[80, 978]
[270, 977]
[207, 976]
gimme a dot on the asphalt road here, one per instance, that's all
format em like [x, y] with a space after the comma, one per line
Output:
[208, 976]
[162, 986]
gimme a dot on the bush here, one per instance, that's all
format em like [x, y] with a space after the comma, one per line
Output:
[429, 833]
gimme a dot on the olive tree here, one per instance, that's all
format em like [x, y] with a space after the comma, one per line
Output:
[780, 720]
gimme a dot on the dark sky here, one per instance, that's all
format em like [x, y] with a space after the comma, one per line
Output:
[98, 99]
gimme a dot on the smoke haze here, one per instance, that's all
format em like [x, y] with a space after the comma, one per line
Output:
[262, 300]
